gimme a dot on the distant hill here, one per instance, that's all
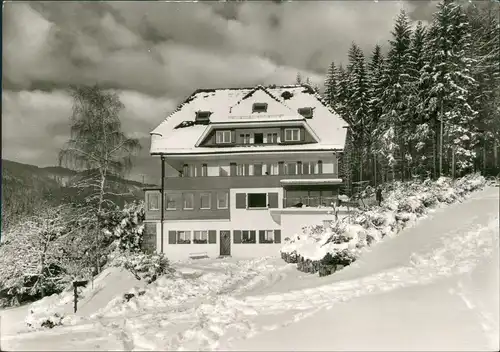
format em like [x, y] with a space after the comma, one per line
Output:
[24, 187]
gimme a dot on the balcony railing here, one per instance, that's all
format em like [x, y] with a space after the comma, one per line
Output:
[317, 201]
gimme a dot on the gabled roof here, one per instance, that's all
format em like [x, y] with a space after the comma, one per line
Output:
[329, 127]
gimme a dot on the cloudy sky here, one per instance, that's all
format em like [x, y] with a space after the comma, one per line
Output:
[154, 54]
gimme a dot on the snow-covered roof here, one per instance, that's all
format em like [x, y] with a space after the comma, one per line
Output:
[233, 106]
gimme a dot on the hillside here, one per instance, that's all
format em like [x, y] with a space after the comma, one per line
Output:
[25, 187]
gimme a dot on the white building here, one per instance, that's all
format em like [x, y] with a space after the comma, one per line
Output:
[246, 158]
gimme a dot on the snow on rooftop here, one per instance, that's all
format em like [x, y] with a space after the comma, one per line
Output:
[229, 106]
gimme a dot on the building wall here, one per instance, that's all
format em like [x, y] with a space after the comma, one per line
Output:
[240, 250]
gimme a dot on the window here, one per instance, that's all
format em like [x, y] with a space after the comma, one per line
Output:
[153, 201]
[272, 169]
[290, 169]
[170, 202]
[222, 200]
[245, 138]
[308, 168]
[205, 201]
[224, 171]
[189, 170]
[203, 115]
[257, 200]
[242, 170]
[266, 236]
[257, 169]
[200, 237]
[272, 138]
[259, 107]
[223, 136]
[306, 112]
[292, 134]
[248, 236]
[258, 138]
[188, 201]
[183, 237]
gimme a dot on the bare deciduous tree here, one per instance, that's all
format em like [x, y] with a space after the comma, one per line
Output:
[97, 145]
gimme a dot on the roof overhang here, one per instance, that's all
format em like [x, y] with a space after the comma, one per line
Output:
[325, 181]
[242, 151]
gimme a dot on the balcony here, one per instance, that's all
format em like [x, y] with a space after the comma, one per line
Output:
[292, 202]
[227, 182]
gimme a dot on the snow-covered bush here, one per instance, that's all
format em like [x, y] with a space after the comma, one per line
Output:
[404, 203]
[124, 227]
[32, 262]
[144, 266]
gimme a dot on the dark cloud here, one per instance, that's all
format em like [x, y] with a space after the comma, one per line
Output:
[157, 53]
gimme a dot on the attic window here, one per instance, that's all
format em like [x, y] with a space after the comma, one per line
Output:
[306, 112]
[203, 115]
[259, 107]
[286, 95]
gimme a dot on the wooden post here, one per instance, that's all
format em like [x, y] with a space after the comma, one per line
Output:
[441, 141]
[162, 212]
[77, 284]
[75, 298]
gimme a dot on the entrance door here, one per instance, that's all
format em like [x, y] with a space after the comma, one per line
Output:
[225, 242]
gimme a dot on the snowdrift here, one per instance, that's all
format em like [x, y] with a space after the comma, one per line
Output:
[343, 241]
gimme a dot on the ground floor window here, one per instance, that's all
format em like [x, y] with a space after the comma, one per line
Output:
[183, 237]
[248, 236]
[266, 236]
[200, 237]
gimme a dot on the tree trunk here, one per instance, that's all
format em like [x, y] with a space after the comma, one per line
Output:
[99, 216]
[495, 153]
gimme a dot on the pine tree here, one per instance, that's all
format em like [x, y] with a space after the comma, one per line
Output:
[357, 103]
[419, 134]
[448, 74]
[342, 92]
[391, 129]
[298, 78]
[331, 85]
[485, 48]
[375, 93]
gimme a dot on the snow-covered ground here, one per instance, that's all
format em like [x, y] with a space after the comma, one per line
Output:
[434, 286]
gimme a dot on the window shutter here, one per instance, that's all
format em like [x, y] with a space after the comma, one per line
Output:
[299, 167]
[320, 167]
[302, 133]
[233, 136]
[252, 236]
[172, 237]
[281, 170]
[212, 236]
[277, 236]
[237, 236]
[282, 135]
[232, 169]
[241, 200]
[262, 233]
[247, 169]
[272, 199]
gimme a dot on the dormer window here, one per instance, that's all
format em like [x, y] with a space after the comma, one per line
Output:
[259, 107]
[203, 116]
[286, 95]
[306, 112]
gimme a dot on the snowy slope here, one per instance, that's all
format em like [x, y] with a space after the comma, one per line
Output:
[433, 287]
